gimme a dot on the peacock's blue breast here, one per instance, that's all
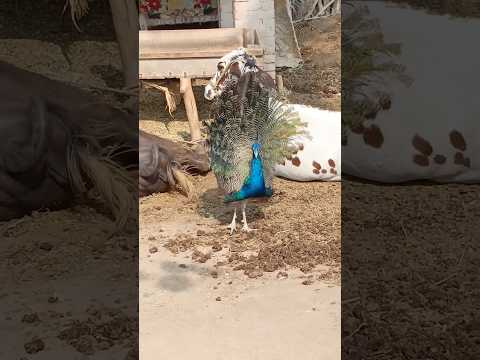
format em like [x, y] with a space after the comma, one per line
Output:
[254, 185]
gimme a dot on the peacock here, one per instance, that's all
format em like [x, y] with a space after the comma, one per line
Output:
[247, 136]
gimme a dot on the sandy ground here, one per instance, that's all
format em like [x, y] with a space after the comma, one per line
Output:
[186, 313]
[272, 294]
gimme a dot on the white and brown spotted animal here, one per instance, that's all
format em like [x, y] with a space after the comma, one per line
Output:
[431, 131]
[316, 156]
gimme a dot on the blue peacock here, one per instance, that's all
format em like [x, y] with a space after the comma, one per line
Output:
[247, 135]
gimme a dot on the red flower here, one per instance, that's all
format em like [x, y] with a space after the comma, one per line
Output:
[155, 4]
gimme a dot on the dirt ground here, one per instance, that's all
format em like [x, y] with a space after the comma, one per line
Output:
[300, 226]
[410, 257]
[262, 295]
[51, 262]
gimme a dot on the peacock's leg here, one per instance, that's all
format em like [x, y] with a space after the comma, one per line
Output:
[233, 224]
[245, 226]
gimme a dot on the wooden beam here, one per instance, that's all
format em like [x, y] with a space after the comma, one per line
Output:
[191, 108]
[187, 54]
[125, 20]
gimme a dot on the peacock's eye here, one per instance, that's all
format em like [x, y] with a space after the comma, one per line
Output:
[220, 67]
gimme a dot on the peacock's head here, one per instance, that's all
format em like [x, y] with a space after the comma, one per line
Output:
[256, 150]
[234, 64]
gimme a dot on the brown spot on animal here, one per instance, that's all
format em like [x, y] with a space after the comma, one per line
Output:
[421, 160]
[332, 171]
[458, 141]
[331, 163]
[440, 159]
[316, 165]
[422, 145]
[324, 171]
[300, 147]
[316, 171]
[296, 161]
[373, 136]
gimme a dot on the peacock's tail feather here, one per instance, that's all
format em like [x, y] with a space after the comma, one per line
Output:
[246, 113]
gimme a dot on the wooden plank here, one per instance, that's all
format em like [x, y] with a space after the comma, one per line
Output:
[198, 39]
[177, 68]
[188, 54]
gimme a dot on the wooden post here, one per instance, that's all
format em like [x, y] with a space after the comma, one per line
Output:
[125, 20]
[279, 82]
[191, 108]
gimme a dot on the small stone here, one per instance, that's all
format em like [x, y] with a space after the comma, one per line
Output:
[153, 250]
[30, 318]
[214, 274]
[45, 246]
[200, 257]
[218, 298]
[217, 247]
[253, 274]
[34, 346]
[314, 308]
[230, 282]
[282, 275]
[152, 238]
[183, 266]
[307, 282]
[84, 344]
[215, 288]
[201, 232]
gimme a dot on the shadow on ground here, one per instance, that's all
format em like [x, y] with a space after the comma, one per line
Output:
[211, 204]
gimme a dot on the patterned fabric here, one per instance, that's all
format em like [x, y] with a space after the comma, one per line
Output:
[202, 7]
[150, 6]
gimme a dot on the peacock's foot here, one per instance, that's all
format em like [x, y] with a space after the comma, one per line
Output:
[232, 227]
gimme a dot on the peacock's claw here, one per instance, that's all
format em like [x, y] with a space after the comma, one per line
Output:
[232, 227]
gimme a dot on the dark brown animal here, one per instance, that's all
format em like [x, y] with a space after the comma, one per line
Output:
[58, 143]
[163, 164]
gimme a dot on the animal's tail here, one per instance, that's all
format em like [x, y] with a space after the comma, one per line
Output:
[183, 182]
[87, 170]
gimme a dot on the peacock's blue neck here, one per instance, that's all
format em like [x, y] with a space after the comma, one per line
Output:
[254, 185]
